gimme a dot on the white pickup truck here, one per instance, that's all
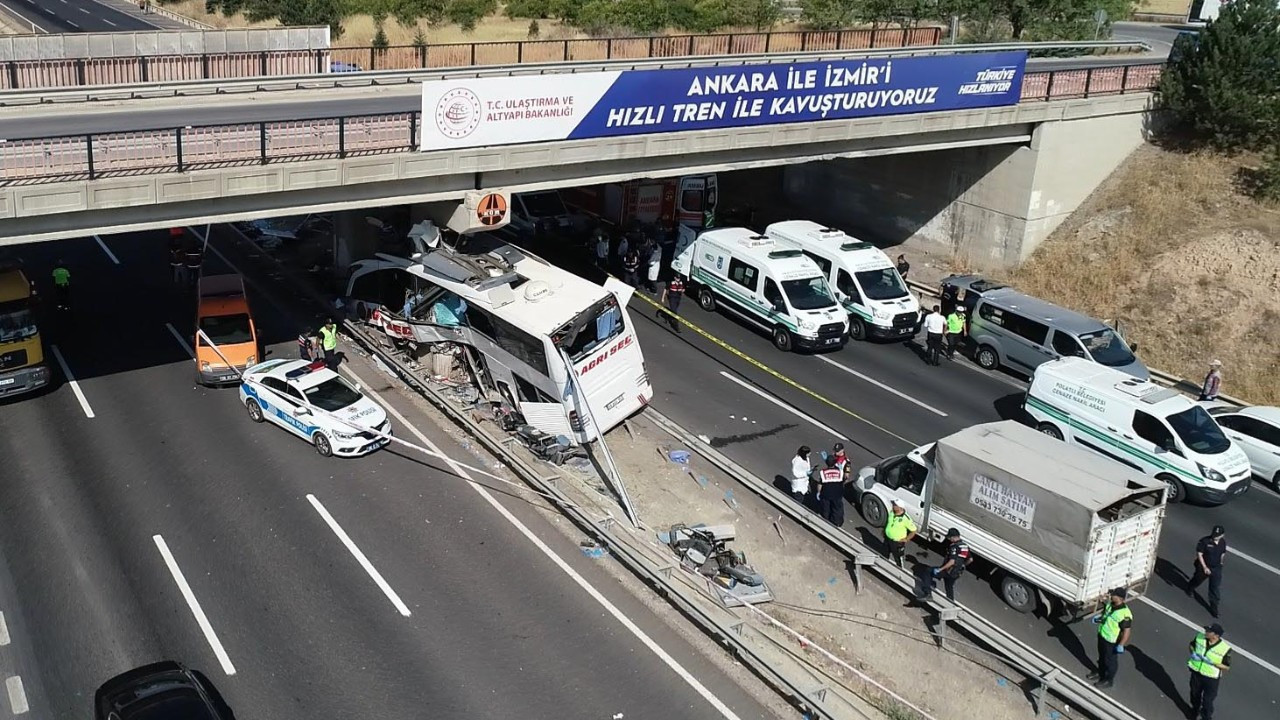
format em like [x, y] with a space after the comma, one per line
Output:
[1061, 525]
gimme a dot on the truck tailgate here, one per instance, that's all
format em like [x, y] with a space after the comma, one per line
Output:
[1123, 554]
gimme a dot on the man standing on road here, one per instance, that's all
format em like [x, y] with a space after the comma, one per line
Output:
[193, 258]
[329, 344]
[1114, 625]
[671, 296]
[831, 492]
[1210, 552]
[1210, 656]
[1212, 382]
[955, 331]
[954, 562]
[602, 250]
[801, 474]
[934, 325]
[62, 285]
[631, 269]
[898, 531]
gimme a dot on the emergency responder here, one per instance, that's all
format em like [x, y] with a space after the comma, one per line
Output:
[898, 531]
[842, 460]
[1115, 622]
[801, 474]
[176, 256]
[934, 325]
[192, 259]
[671, 295]
[1211, 551]
[1210, 656]
[305, 346]
[631, 268]
[62, 285]
[329, 344]
[955, 560]
[955, 331]
[831, 492]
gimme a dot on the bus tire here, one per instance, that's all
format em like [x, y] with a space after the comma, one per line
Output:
[1050, 429]
[988, 358]
[1177, 491]
[782, 339]
[1018, 593]
[873, 510]
[706, 300]
[857, 328]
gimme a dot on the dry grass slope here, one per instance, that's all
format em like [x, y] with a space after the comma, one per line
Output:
[1173, 250]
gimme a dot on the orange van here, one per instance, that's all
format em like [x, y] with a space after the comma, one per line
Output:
[223, 316]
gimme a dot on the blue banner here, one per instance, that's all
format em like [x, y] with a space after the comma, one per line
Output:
[660, 101]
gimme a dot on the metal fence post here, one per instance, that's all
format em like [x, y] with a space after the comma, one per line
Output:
[422, 56]
[262, 63]
[1048, 88]
[608, 48]
[804, 41]
[342, 138]
[177, 134]
[473, 53]
[768, 42]
[566, 49]
[262, 142]
[1088, 81]
[145, 68]
[519, 52]
[13, 75]
[88, 144]
[413, 129]
[1124, 80]
[690, 52]
[205, 65]
[80, 79]
[319, 61]
[731, 38]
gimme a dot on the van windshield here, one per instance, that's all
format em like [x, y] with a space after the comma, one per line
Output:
[882, 284]
[1198, 431]
[226, 329]
[808, 294]
[1106, 347]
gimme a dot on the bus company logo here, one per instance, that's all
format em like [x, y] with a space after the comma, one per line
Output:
[492, 209]
[992, 81]
[458, 113]
[596, 361]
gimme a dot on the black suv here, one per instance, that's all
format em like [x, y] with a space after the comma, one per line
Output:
[160, 691]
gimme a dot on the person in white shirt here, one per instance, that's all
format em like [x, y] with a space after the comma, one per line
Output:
[801, 474]
[655, 267]
[602, 250]
[934, 326]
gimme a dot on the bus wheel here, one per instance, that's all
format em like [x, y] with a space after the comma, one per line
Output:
[1177, 492]
[782, 339]
[706, 300]
[857, 329]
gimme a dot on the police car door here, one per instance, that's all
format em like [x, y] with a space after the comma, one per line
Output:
[287, 409]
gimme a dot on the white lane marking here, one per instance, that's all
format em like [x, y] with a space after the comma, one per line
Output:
[581, 582]
[360, 558]
[17, 695]
[1249, 558]
[107, 250]
[71, 380]
[4, 631]
[1198, 627]
[73, 24]
[109, 22]
[201, 619]
[881, 385]
[783, 405]
[181, 340]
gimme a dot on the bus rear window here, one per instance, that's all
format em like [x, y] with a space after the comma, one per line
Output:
[591, 329]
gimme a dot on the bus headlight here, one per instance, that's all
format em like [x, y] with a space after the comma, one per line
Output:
[1211, 474]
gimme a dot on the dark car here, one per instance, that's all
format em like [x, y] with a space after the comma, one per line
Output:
[160, 691]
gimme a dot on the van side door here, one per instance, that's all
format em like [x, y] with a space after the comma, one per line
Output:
[1021, 340]
[1154, 437]
[773, 298]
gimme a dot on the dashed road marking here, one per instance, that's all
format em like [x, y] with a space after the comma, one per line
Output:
[4, 631]
[71, 380]
[378, 580]
[784, 406]
[17, 695]
[201, 619]
[181, 340]
[107, 250]
[881, 385]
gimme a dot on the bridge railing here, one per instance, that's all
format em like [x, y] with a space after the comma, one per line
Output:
[172, 150]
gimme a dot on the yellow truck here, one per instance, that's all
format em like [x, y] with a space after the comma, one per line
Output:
[22, 364]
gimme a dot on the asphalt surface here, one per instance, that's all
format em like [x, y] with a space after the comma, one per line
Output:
[73, 16]
[760, 420]
[496, 629]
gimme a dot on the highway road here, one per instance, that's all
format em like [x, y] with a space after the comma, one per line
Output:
[72, 16]
[881, 399]
[117, 483]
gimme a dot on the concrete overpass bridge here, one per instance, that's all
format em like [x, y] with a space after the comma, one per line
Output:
[1001, 174]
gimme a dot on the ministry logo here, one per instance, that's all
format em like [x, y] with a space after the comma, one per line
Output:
[458, 113]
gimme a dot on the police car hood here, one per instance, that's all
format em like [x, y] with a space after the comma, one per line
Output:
[364, 413]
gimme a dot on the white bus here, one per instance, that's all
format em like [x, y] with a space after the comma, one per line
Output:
[519, 318]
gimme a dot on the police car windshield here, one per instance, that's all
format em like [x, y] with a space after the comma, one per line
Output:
[882, 284]
[1198, 431]
[808, 294]
[226, 329]
[1106, 347]
[332, 394]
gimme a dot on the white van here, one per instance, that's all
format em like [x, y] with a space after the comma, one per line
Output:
[1156, 430]
[775, 288]
[865, 282]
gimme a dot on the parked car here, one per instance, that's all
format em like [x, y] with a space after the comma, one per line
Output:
[1256, 430]
[160, 691]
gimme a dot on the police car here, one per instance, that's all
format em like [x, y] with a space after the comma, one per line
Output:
[286, 391]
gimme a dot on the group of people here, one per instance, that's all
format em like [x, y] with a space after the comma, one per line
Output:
[821, 484]
[185, 258]
[944, 333]
[322, 343]
[644, 254]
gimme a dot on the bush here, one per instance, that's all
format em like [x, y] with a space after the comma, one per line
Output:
[468, 13]
[1269, 176]
[534, 29]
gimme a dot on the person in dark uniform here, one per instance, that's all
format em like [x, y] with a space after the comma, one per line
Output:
[1210, 657]
[831, 492]
[1210, 552]
[1115, 622]
[631, 268]
[193, 258]
[671, 295]
[955, 560]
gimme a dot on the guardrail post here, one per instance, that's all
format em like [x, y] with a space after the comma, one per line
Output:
[262, 63]
[1088, 81]
[1042, 688]
[177, 134]
[262, 142]
[946, 615]
[88, 146]
[204, 65]
[1124, 79]
[342, 138]
[1048, 88]
[80, 80]
[860, 561]
[413, 129]
[13, 75]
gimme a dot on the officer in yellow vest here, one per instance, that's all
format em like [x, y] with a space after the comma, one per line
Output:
[898, 531]
[1210, 656]
[1114, 624]
[329, 344]
[955, 331]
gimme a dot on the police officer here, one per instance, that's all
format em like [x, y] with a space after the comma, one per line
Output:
[305, 346]
[831, 492]
[1210, 656]
[1210, 552]
[192, 259]
[899, 530]
[842, 460]
[329, 344]
[671, 295]
[1114, 625]
[955, 330]
[955, 560]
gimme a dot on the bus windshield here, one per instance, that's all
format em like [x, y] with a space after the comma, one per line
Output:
[591, 329]
[808, 294]
[17, 322]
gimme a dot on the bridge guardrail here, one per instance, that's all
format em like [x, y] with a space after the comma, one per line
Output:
[180, 149]
[267, 82]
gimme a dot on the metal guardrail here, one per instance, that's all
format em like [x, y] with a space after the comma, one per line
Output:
[1036, 666]
[267, 82]
[181, 149]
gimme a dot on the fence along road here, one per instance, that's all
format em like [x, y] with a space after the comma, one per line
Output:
[180, 149]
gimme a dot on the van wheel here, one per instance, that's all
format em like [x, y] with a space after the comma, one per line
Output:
[873, 511]
[322, 445]
[1177, 491]
[1050, 429]
[857, 329]
[706, 300]
[255, 410]
[782, 339]
[1018, 594]
[987, 358]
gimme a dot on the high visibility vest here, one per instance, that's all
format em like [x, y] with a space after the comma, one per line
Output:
[328, 338]
[955, 324]
[1212, 655]
[61, 277]
[899, 527]
[1109, 630]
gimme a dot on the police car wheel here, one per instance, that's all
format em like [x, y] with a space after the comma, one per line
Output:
[1050, 429]
[706, 300]
[873, 510]
[987, 358]
[255, 410]
[782, 339]
[322, 445]
[1018, 594]
[1177, 491]
[857, 329]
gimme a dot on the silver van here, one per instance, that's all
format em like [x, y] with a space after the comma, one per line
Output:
[1021, 332]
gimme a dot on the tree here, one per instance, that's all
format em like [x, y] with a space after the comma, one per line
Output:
[759, 14]
[468, 13]
[533, 9]
[1269, 176]
[419, 38]
[409, 12]
[1224, 86]
[830, 14]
